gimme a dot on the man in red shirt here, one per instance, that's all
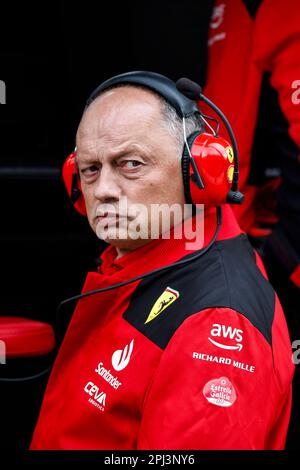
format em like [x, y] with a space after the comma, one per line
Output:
[253, 75]
[193, 357]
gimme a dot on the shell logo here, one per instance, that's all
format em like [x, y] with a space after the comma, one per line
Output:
[230, 173]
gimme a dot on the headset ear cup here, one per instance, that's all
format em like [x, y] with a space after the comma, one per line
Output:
[214, 160]
[72, 183]
[185, 167]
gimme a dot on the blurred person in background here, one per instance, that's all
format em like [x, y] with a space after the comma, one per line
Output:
[254, 76]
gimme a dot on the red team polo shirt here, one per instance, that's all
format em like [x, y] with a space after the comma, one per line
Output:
[196, 357]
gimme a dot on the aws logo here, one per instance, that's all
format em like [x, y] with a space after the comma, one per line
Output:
[226, 332]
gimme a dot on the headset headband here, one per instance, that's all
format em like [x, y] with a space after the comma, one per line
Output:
[183, 96]
[156, 82]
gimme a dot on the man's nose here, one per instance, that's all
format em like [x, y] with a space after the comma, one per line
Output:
[107, 185]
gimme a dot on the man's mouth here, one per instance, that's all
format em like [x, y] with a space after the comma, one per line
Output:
[107, 215]
[113, 216]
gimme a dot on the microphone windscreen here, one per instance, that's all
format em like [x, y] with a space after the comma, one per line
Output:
[189, 88]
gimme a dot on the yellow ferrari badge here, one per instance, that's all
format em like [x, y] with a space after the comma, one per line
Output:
[168, 296]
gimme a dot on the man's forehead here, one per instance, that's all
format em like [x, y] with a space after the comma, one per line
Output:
[123, 99]
[119, 108]
[87, 152]
[135, 92]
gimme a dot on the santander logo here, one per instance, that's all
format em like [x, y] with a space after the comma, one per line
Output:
[226, 332]
[121, 357]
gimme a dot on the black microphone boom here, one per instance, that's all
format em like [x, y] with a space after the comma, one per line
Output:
[189, 88]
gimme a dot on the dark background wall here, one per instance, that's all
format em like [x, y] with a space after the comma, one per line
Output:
[52, 55]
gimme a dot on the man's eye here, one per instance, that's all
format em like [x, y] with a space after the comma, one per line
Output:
[131, 164]
[89, 170]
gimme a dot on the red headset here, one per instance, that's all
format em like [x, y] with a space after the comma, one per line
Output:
[209, 163]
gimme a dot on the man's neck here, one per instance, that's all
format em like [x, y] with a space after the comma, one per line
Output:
[121, 251]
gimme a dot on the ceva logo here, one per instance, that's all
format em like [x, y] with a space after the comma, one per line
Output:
[96, 393]
[121, 357]
[226, 332]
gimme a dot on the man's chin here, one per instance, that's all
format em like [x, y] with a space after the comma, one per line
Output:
[123, 242]
[112, 234]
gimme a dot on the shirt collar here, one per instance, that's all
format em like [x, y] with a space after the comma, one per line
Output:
[163, 251]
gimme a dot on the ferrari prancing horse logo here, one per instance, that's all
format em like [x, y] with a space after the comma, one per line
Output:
[168, 296]
[229, 153]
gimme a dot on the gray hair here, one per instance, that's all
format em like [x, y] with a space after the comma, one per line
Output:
[170, 119]
[174, 124]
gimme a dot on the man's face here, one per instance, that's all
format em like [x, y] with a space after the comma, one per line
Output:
[126, 158]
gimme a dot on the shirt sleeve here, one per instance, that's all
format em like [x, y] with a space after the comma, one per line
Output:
[214, 387]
